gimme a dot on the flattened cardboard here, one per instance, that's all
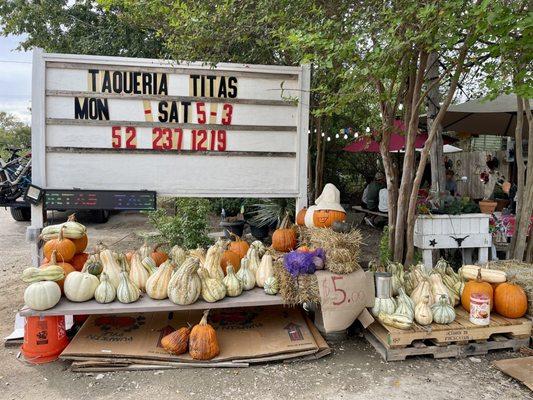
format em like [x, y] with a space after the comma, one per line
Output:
[519, 368]
[246, 333]
[343, 298]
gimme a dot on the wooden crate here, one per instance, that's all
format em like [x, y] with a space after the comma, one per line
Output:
[458, 339]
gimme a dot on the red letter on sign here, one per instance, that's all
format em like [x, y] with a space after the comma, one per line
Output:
[334, 278]
[116, 137]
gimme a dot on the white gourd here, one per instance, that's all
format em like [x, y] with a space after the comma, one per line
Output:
[443, 312]
[421, 291]
[469, 272]
[397, 280]
[386, 306]
[42, 295]
[395, 320]
[199, 253]
[145, 250]
[185, 285]
[212, 289]
[259, 246]
[406, 299]
[212, 262]
[438, 288]
[265, 270]
[110, 266]
[149, 265]
[157, 283]
[423, 314]
[271, 286]
[105, 292]
[246, 276]
[138, 273]
[127, 291]
[403, 308]
[80, 286]
[232, 283]
[253, 261]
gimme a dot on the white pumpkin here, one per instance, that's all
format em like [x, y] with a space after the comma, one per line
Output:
[80, 286]
[265, 270]
[308, 219]
[245, 275]
[42, 295]
[271, 286]
[232, 283]
[105, 292]
[138, 273]
[423, 314]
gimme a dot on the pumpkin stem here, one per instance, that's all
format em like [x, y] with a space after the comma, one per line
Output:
[157, 246]
[72, 217]
[478, 278]
[60, 236]
[203, 321]
[237, 237]
[53, 258]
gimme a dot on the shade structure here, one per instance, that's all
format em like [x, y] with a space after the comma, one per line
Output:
[397, 143]
[478, 117]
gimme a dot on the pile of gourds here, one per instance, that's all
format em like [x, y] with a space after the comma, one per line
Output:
[431, 297]
[181, 276]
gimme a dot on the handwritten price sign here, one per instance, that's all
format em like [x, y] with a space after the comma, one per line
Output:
[339, 292]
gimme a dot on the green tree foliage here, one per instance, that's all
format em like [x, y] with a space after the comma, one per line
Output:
[13, 133]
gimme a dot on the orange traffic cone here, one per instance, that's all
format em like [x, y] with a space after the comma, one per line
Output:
[44, 339]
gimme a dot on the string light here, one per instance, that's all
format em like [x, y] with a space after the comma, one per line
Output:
[345, 137]
[400, 107]
[380, 115]
[367, 129]
[322, 134]
[337, 136]
[356, 135]
[329, 139]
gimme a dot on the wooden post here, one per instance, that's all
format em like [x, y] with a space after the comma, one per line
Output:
[438, 177]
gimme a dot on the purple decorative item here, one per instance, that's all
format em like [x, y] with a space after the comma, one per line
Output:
[319, 258]
[298, 263]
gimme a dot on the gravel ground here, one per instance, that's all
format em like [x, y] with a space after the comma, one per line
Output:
[353, 371]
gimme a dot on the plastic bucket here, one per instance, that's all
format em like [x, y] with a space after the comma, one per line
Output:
[44, 339]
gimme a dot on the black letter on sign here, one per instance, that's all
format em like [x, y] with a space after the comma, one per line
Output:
[94, 74]
[194, 81]
[163, 114]
[232, 84]
[136, 83]
[103, 109]
[147, 83]
[117, 82]
[211, 80]
[222, 87]
[185, 105]
[81, 111]
[163, 87]
[106, 83]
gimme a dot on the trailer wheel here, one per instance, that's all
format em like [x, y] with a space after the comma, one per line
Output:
[99, 216]
[21, 213]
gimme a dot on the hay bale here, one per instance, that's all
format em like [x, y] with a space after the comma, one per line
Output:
[342, 249]
[299, 290]
[520, 273]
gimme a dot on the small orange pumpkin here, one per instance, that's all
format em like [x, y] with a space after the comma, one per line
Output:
[68, 268]
[476, 286]
[239, 246]
[230, 257]
[203, 341]
[64, 247]
[510, 300]
[304, 249]
[326, 218]
[159, 256]
[177, 342]
[78, 261]
[284, 238]
[300, 217]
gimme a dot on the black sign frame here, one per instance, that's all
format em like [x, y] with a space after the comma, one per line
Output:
[104, 199]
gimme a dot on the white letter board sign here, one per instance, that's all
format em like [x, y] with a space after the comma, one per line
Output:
[180, 129]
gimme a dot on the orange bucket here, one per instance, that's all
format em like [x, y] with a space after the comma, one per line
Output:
[44, 339]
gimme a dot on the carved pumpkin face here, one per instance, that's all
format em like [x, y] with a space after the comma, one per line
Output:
[325, 218]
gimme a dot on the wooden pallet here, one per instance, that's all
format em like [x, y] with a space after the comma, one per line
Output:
[459, 331]
[458, 339]
[425, 348]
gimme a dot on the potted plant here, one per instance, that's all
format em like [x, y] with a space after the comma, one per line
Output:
[234, 224]
[267, 214]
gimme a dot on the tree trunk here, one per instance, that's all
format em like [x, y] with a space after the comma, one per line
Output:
[438, 178]
[525, 189]
[409, 157]
[411, 216]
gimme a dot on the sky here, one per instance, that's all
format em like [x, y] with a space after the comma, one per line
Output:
[15, 79]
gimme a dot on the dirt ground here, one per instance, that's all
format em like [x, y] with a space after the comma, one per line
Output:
[353, 371]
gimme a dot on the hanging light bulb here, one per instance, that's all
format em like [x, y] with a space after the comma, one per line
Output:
[323, 134]
[329, 139]
[367, 130]
[356, 135]
[337, 136]
[400, 107]
[380, 115]
[345, 137]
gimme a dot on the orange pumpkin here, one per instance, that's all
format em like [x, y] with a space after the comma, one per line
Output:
[304, 249]
[284, 238]
[159, 256]
[64, 247]
[78, 261]
[68, 268]
[203, 342]
[232, 258]
[239, 246]
[476, 286]
[81, 243]
[300, 217]
[510, 300]
[326, 218]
